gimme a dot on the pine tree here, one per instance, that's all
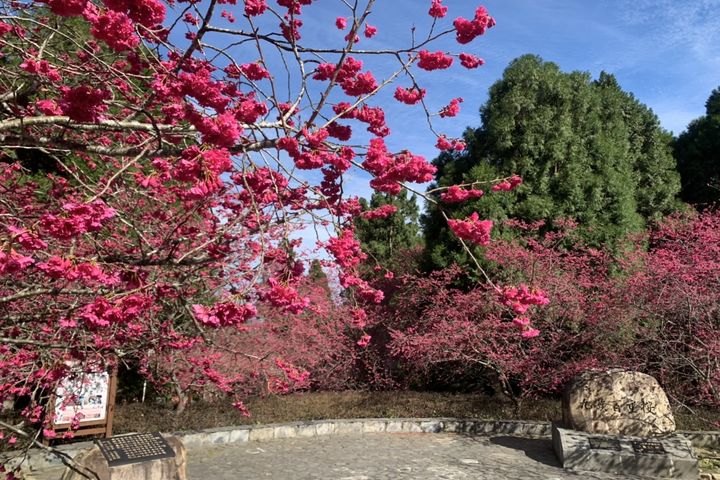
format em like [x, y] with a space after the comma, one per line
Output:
[585, 149]
[383, 238]
[697, 151]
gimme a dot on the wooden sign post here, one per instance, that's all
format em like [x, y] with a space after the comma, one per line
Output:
[90, 396]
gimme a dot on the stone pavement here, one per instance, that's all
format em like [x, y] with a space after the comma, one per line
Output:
[380, 456]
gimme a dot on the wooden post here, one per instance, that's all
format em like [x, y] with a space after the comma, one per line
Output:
[112, 390]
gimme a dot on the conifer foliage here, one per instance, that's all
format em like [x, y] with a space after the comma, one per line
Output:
[697, 151]
[584, 148]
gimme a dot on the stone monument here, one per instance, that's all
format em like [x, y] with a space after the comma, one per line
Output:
[620, 421]
[617, 402]
[93, 462]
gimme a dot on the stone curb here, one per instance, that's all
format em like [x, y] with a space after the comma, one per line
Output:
[40, 460]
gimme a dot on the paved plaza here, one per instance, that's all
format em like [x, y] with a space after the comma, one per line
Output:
[384, 456]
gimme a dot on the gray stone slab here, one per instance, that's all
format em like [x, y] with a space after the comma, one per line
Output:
[239, 435]
[670, 456]
[411, 426]
[325, 428]
[432, 426]
[218, 437]
[394, 426]
[348, 428]
[374, 426]
[306, 430]
[261, 434]
[285, 431]
[195, 439]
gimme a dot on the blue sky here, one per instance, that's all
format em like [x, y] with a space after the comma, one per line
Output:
[667, 53]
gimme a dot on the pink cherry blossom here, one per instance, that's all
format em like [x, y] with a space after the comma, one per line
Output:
[434, 61]
[472, 229]
[452, 109]
[455, 194]
[468, 60]
[409, 96]
[437, 9]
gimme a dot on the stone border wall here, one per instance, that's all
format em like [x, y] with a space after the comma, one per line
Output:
[39, 460]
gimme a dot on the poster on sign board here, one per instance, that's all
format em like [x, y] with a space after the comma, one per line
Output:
[83, 396]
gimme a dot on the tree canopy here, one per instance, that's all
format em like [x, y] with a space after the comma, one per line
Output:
[585, 149]
[697, 151]
[383, 237]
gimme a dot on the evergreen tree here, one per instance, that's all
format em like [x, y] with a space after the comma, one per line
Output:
[698, 155]
[383, 238]
[585, 149]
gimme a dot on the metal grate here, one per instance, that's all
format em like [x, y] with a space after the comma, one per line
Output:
[136, 448]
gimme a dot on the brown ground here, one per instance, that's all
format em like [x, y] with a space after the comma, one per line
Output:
[139, 417]
[151, 416]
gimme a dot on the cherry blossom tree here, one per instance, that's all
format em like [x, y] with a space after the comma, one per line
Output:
[159, 159]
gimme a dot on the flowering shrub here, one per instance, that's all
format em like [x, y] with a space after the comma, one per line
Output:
[440, 330]
[321, 347]
[674, 292]
[655, 309]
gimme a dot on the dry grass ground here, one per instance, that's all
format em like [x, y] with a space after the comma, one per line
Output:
[148, 417]
[316, 406]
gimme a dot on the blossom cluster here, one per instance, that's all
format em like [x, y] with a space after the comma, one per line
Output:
[41, 68]
[410, 96]
[507, 185]
[285, 296]
[347, 75]
[84, 103]
[224, 314]
[294, 378]
[444, 144]
[451, 109]
[434, 60]
[380, 212]
[467, 30]
[76, 219]
[345, 248]
[472, 229]
[520, 299]
[373, 116]
[437, 9]
[469, 60]
[456, 194]
[389, 170]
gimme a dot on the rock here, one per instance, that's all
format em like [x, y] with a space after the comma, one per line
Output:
[670, 456]
[617, 402]
[162, 469]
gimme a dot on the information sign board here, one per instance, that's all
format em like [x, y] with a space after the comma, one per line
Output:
[83, 396]
[135, 448]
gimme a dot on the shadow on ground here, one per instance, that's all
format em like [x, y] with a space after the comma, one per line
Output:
[538, 449]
